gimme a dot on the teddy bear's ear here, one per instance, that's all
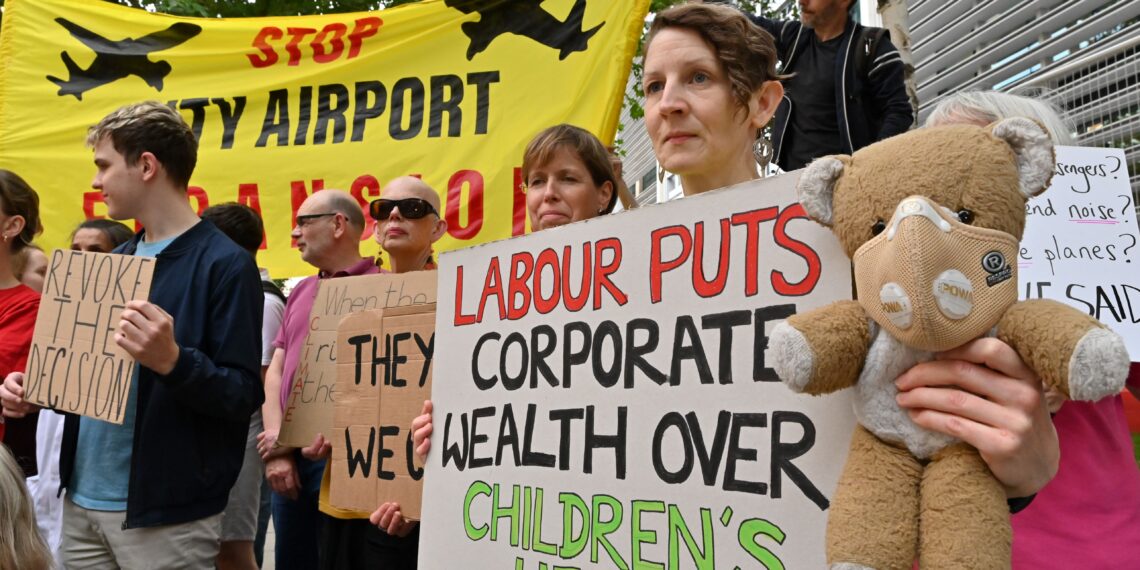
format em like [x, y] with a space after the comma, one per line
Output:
[816, 188]
[1034, 150]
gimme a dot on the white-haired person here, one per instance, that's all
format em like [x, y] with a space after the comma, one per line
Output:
[1091, 510]
[20, 543]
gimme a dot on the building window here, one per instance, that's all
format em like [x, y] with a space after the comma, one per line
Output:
[649, 181]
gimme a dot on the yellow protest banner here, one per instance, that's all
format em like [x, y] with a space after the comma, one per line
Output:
[448, 90]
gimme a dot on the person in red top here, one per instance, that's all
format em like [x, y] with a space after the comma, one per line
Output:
[19, 224]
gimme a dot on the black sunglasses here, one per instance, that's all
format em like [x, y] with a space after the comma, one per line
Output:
[305, 219]
[410, 208]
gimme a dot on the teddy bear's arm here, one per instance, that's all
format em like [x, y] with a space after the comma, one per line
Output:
[822, 351]
[1069, 350]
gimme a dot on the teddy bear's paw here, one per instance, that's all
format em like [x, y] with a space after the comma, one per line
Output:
[1098, 367]
[793, 356]
[848, 566]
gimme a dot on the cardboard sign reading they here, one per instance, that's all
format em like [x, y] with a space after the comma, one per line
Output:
[1080, 242]
[606, 398]
[75, 365]
[384, 363]
[312, 402]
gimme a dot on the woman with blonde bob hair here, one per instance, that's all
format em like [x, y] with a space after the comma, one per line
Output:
[568, 177]
[20, 542]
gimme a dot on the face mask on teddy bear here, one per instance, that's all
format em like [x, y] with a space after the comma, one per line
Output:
[932, 281]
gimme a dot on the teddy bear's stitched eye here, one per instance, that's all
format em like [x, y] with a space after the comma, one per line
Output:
[966, 216]
[878, 228]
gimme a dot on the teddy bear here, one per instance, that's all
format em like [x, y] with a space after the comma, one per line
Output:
[931, 220]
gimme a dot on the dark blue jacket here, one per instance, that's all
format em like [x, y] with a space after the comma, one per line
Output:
[869, 108]
[191, 425]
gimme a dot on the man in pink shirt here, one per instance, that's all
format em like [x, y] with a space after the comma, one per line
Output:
[327, 232]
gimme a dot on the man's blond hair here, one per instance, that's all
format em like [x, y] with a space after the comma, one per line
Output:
[151, 127]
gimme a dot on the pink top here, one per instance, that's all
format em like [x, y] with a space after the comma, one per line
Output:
[295, 324]
[1089, 514]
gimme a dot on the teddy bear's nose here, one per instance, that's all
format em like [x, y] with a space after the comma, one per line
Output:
[916, 206]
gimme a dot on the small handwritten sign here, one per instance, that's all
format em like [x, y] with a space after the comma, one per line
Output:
[312, 400]
[1080, 242]
[384, 363]
[75, 365]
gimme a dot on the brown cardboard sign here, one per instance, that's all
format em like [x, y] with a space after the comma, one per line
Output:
[74, 364]
[312, 400]
[384, 364]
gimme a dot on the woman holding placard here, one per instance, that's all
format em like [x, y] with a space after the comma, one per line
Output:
[710, 85]
[1091, 510]
[19, 224]
[569, 178]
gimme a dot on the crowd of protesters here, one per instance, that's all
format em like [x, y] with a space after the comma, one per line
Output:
[218, 344]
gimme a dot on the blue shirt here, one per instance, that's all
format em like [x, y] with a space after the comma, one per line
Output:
[103, 456]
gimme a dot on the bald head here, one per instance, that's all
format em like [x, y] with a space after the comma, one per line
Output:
[410, 187]
[328, 229]
[407, 241]
[337, 201]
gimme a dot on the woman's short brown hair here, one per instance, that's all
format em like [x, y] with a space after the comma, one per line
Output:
[18, 199]
[589, 149]
[747, 52]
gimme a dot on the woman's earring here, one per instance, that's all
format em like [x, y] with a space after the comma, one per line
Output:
[762, 152]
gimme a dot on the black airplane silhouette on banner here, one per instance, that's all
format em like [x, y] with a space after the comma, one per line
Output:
[115, 60]
[524, 18]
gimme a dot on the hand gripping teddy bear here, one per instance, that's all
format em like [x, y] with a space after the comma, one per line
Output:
[931, 220]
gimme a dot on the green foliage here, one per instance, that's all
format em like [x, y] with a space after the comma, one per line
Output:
[258, 8]
[1136, 447]
[255, 8]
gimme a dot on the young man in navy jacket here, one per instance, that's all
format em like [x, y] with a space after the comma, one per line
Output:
[150, 493]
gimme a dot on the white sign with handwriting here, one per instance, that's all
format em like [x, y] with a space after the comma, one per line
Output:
[1080, 242]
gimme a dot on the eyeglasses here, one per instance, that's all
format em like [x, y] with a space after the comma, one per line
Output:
[304, 220]
[410, 208]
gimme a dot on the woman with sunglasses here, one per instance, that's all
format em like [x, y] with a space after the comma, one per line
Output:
[407, 224]
[569, 178]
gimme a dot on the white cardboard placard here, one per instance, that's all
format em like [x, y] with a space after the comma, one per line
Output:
[714, 464]
[1080, 241]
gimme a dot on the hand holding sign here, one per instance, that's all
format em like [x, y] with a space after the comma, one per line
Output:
[12, 397]
[320, 449]
[390, 520]
[281, 472]
[267, 446]
[146, 332]
[421, 433]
